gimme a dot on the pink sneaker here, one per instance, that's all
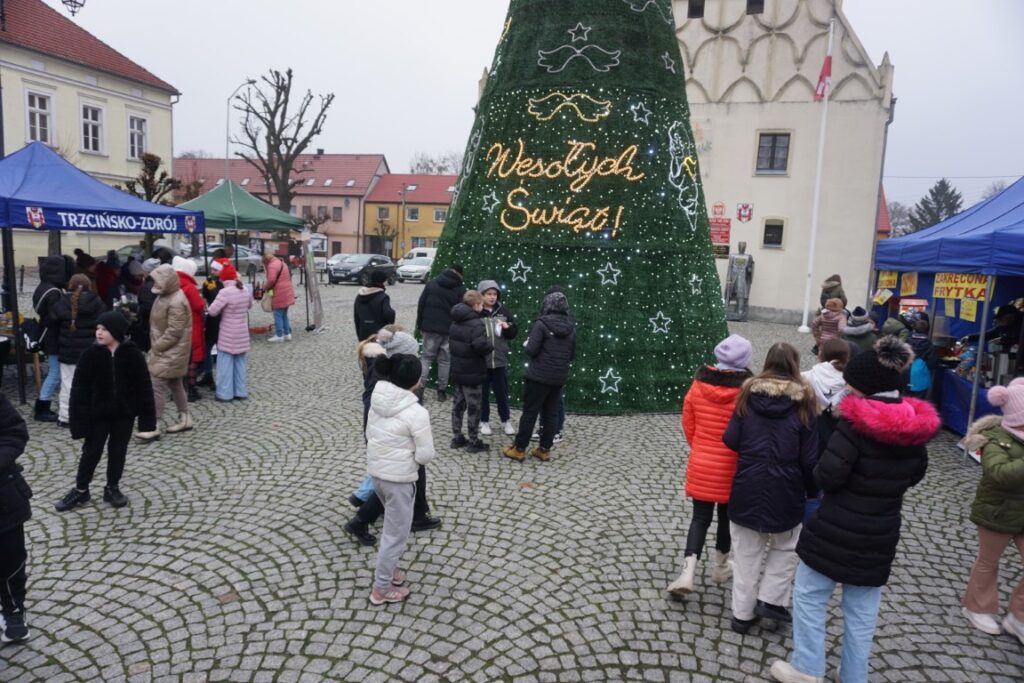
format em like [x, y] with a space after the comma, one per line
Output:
[392, 594]
[398, 578]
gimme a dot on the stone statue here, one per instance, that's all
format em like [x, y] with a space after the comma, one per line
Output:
[737, 283]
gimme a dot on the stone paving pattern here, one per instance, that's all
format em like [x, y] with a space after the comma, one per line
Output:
[231, 564]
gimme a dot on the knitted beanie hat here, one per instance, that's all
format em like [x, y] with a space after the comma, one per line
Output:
[397, 342]
[859, 317]
[879, 369]
[115, 323]
[734, 353]
[1011, 400]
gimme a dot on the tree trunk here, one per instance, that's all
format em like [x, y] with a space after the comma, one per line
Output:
[53, 243]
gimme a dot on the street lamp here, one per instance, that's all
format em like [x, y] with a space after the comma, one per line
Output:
[73, 5]
[227, 158]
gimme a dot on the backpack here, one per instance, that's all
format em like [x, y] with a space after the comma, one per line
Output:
[920, 376]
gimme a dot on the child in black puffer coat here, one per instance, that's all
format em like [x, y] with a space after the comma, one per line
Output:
[469, 347]
[75, 314]
[877, 452]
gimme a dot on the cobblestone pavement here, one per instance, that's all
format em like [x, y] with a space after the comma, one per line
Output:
[231, 564]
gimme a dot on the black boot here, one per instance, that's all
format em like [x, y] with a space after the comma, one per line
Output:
[193, 393]
[361, 532]
[43, 412]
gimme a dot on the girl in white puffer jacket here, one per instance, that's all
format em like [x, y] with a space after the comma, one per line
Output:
[399, 440]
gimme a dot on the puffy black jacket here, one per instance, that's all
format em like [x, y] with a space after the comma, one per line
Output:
[434, 312]
[876, 453]
[551, 347]
[52, 280]
[372, 311]
[110, 386]
[468, 346]
[777, 454]
[73, 342]
[14, 490]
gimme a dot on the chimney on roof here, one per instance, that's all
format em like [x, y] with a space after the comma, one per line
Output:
[319, 152]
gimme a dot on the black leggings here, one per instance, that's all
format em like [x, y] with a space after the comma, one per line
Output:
[702, 514]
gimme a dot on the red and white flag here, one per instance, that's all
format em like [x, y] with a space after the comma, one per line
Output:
[824, 80]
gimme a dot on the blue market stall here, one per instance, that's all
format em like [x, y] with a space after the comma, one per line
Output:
[966, 262]
[40, 190]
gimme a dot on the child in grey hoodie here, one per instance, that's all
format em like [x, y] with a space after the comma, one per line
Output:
[500, 329]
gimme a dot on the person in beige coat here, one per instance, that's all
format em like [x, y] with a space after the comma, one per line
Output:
[170, 331]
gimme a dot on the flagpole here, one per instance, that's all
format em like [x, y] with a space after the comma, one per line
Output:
[817, 186]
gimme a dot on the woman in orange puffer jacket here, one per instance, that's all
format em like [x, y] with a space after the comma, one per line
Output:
[709, 471]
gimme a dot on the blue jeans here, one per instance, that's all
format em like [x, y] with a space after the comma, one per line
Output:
[497, 379]
[281, 324]
[52, 382]
[811, 596]
[365, 489]
[231, 376]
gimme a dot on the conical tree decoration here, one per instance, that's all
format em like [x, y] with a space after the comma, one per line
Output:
[581, 171]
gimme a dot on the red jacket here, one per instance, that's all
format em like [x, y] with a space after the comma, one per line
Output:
[198, 308]
[706, 412]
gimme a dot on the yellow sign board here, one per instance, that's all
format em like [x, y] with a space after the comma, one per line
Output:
[950, 308]
[887, 279]
[908, 284]
[960, 286]
[968, 310]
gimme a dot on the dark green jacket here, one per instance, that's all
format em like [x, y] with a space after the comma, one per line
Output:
[999, 502]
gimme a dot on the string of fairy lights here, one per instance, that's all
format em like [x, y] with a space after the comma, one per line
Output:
[595, 188]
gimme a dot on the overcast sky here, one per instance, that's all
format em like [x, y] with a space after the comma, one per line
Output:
[405, 73]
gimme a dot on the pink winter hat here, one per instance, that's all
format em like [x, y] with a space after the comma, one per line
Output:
[1011, 400]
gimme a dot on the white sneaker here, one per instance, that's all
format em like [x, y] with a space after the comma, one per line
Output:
[535, 436]
[986, 623]
[275, 339]
[557, 438]
[287, 337]
[485, 429]
[1014, 626]
[509, 429]
[784, 672]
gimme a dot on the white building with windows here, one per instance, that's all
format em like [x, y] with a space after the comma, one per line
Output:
[752, 67]
[100, 110]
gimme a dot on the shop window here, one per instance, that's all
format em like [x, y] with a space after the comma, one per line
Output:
[773, 153]
[336, 214]
[773, 233]
[695, 9]
[440, 215]
[40, 117]
[755, 6]
[412, 213]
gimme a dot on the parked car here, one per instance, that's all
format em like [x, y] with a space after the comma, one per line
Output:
[249, 262]
[131, 250]
[416, 270]
[335, 260]
[359, 267]
[417, 252]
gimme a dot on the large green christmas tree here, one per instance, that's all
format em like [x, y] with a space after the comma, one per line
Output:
[581, 171]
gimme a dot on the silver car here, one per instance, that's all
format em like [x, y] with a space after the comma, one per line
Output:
[249, 262]
[416, 270]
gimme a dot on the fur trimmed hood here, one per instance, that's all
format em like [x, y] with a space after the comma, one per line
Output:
[731, 379]
[834, 281]
[909, 422]
[859, 330]
[372, 350]
[975, 437]
[778, 388]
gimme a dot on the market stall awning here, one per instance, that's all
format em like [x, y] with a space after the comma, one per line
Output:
[987, 238]
[41, 190]
[229, 207]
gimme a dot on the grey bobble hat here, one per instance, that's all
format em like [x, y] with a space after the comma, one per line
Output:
[734, 353]
[397, 342]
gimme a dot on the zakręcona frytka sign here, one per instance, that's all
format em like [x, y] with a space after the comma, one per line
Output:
[42, 218]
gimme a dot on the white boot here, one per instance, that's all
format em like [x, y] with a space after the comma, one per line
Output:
[684, 584]
[721, 570]
[184, 424]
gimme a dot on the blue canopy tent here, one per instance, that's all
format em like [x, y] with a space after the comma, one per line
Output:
[985, 239]
[40, 190]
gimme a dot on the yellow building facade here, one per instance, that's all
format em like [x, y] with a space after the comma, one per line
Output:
[405, 211]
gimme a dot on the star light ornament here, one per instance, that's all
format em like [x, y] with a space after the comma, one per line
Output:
[695, 283]
[580, 32]
[519, 271]
[610, 382]
[669, 63]
[609, 274]
[640, 113]
[660, 323]
[491, 201]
